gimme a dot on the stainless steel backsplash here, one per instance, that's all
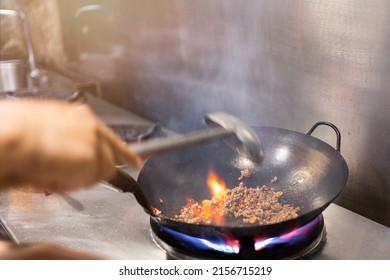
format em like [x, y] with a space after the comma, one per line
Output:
[275, 63]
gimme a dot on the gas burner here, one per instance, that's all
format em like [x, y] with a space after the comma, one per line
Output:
[135, 133]
[298, 243]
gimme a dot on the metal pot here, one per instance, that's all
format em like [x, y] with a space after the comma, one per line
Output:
[16, 74]
[13, 75]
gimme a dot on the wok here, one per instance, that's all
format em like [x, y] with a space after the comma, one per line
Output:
[311, 174]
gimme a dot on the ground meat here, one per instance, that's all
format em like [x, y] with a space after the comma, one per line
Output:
[245, 173]
[258, 205]
[242, 204]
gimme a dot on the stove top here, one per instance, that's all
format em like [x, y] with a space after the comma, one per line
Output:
[136, 132]
[112, 224]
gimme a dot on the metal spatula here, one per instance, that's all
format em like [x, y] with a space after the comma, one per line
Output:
[222, 125]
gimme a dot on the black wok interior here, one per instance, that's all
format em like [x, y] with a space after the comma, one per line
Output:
[310, 172]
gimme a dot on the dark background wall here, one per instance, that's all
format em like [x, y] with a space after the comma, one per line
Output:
[276, 63]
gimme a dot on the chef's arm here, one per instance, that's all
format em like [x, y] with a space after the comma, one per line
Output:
[57, 145]
[41, 251]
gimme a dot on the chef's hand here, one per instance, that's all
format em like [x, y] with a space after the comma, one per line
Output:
[40, 251]
[56, 145]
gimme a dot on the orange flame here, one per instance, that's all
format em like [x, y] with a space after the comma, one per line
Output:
[209, 210]
[214, 208]
[216, 185]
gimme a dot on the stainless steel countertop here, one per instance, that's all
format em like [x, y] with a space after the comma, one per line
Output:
[112, 224]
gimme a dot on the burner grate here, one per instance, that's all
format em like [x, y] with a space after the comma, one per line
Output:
[136, 133]
[181, 246]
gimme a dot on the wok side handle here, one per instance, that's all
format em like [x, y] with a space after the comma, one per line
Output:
[338, 135]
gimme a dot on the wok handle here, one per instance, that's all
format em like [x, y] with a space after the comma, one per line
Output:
[338, 135]
[125, 183]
